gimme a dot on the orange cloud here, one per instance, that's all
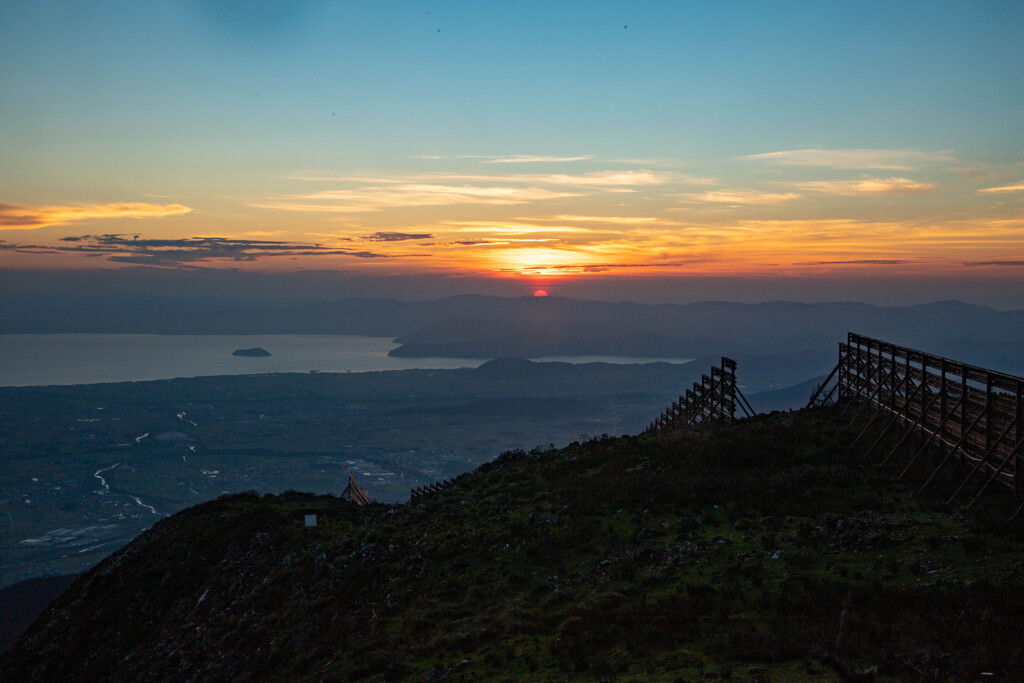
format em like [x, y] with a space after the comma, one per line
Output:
[16, 216]
[894, 159]
[743, 197]
[377, 198]
[381, 193]
[851, 188]
[757, 246]
[620, 220]
[1016, 187]
[513, 227]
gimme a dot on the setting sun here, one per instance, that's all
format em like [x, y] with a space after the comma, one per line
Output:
[540, 292]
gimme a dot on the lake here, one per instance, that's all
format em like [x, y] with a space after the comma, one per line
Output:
[48, 359]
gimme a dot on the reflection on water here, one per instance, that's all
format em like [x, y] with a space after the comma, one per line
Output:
[42, 359]
[38, 359]
[620, 360]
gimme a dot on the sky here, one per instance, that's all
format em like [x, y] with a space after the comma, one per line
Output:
[532, 144]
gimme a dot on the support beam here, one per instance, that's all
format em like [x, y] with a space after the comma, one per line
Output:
[909, 430]
[895, 416]
[932, 435]
[999, 469]
[871, 399]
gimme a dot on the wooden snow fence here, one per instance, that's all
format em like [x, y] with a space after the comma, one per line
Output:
[971, 415]
[712, 401]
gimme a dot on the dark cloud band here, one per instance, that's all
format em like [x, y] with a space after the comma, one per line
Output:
[398, 236]
[184, 252]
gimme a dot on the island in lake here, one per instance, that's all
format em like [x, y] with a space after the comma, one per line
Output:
[255, 352]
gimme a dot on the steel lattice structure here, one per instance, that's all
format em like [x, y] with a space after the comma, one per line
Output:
[970, 414]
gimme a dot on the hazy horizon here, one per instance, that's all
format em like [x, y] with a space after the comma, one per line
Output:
[25, 285]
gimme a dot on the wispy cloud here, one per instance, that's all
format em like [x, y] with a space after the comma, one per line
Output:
[398, 236]
[1016, 187]
[513, 228]
[17, 216]
[184, 252]
[487, 242]
[590, 268]
[534, 159]
[507, 159]
[469, 243]
[449, 189]
[617, 220]
[381, 197]
[994, 263]
[859, 262]
[606, 178]
[892, 159]
[976, 170]
[597, 178]
[742, 197]
[869, 186]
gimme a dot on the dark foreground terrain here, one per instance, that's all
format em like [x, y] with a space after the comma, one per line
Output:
[21, 603]
[741, 553]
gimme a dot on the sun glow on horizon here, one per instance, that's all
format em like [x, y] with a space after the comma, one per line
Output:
[536, 261]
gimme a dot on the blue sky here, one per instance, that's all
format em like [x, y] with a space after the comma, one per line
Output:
[703, 80]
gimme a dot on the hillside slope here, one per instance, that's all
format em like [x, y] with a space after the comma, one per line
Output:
[726, 554]
[22, 602]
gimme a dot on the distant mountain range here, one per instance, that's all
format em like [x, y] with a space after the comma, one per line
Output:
[490, 327]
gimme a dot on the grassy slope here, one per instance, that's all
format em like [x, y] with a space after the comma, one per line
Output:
[729, 554]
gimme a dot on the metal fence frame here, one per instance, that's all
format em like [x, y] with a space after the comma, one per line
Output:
[713, 400]
[970, 414]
